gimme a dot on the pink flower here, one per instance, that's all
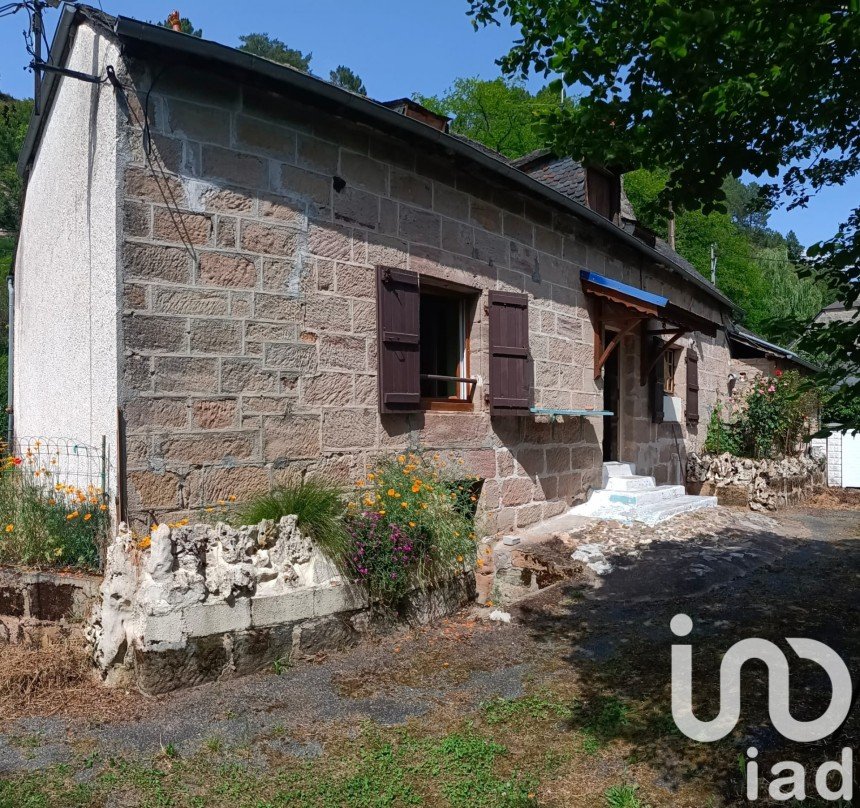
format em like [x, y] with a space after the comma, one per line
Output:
[771, 389]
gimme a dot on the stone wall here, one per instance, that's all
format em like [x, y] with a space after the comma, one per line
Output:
[251, 237]
[762, 484]
[36, 603]
[205, 602]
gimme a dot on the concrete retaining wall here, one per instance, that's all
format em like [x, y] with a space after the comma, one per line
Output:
[205, 602]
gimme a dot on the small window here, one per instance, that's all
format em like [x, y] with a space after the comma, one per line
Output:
[670, 365]
[444, 348]
[604, 192]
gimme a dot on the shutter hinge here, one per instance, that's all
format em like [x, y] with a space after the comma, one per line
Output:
[386, 275]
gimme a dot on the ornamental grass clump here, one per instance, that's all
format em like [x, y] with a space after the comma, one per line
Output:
[46, 522]
[319, 508]
[409, 523]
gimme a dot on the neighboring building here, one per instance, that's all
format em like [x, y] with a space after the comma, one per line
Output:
[752, 355]
[242, 274]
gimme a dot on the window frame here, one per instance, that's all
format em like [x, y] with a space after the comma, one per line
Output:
[465, 402]
[670, 369]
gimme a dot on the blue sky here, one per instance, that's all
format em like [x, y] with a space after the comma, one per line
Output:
[397, 46]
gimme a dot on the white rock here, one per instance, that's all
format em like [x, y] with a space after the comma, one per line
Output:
[498, 616]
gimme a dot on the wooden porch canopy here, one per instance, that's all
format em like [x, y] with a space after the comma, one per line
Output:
[626, 307]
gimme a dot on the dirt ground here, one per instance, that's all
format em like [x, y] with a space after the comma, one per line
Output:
[568, 705]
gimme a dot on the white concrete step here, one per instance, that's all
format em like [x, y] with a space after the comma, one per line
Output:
[615, 469]
[633, 482]
[647, 496]
[660, 511]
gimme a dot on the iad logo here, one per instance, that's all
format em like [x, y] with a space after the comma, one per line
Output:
[778, 707]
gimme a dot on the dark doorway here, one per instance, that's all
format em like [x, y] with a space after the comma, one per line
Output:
[611, 401]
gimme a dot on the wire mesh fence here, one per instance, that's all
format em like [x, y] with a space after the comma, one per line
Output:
[54, 503]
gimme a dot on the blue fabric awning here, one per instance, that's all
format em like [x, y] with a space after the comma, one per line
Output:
[623, 289]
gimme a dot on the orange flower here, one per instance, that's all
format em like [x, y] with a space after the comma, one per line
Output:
[401, 458]
[87, 517]
[72, 515]
[416, 488]
[144, 544]
[412, 524]
[102, 508]
[381, 513]
[232, 497]
[460, 559]
[10, 528]
[404, 504]
[391, 492]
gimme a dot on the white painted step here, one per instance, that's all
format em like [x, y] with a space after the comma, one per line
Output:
[660, 511]
[633, 482]
[615, 469]
[648, 496]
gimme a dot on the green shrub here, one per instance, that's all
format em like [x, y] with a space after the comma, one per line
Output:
[772, 417]
[317, 504]
[45, 523]
[410, 523]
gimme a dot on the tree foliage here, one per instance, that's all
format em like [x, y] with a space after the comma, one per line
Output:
[14, 120]
[708, 90]
[500, 114]
[275, 50]
[344, 77]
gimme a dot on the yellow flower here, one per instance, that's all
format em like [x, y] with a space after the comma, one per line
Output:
[102, 508]
[360, 483]
[58, 552]
[72, 515]
[154, 528]
[480, 562]
[371, 476]
[404, 504]
[401, 458]
[460, 559]
[381, 513]
[456, 533]
[412, 524]
[209, 510]
[391, 492]
[144, 544]
[10, 528]
[87, 517]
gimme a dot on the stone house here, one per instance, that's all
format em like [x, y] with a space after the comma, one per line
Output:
[241, 274]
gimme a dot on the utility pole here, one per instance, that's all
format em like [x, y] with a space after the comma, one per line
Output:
[37, 28]
[714, 264]
[671, 233]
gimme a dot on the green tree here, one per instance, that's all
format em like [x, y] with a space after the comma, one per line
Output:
[275, 50]
[185, 24]
[14, 120]
[500, 114]
[342, 76]
[708, 90]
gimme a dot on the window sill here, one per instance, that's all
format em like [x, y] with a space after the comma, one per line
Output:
[445, 405]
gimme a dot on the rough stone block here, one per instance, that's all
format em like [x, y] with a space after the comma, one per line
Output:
[164, 629]
[181, 227]
[298, 357]
[143, 413]
[228, 200]
[218, 413]
[242, 482]
[420, 225]
[151, 489]
[348, 353]
[279, 609]
[152, 186]
[348, 428]
[326, 634]
[312, 189]
[327, 312]
[179, 374]
[330, 241]
[215, 337]
[228, 270]
[269, 239]
[213, 447]
[364, 172]
[148, 334]
[293, 437]
[242, 169]
[167, 300]
[326, 389]
[277, 307]
[253, 134]
[411, 188]
[202, 660]
[246, 375]
[356, 207]
[517, 491]
[316, 155]
[257, 650]
[156, 263]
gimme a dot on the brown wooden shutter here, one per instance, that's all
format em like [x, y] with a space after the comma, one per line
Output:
[510, 366]
[397, 315]
[656, 382]
[692, 388]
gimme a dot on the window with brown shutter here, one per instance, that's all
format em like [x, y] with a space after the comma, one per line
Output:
[656, 383]
[692, 388]
[603, 191]
[423, 343]
[398, 322]
[510, 365]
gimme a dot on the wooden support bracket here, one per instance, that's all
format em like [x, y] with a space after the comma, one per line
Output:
[676, 335]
